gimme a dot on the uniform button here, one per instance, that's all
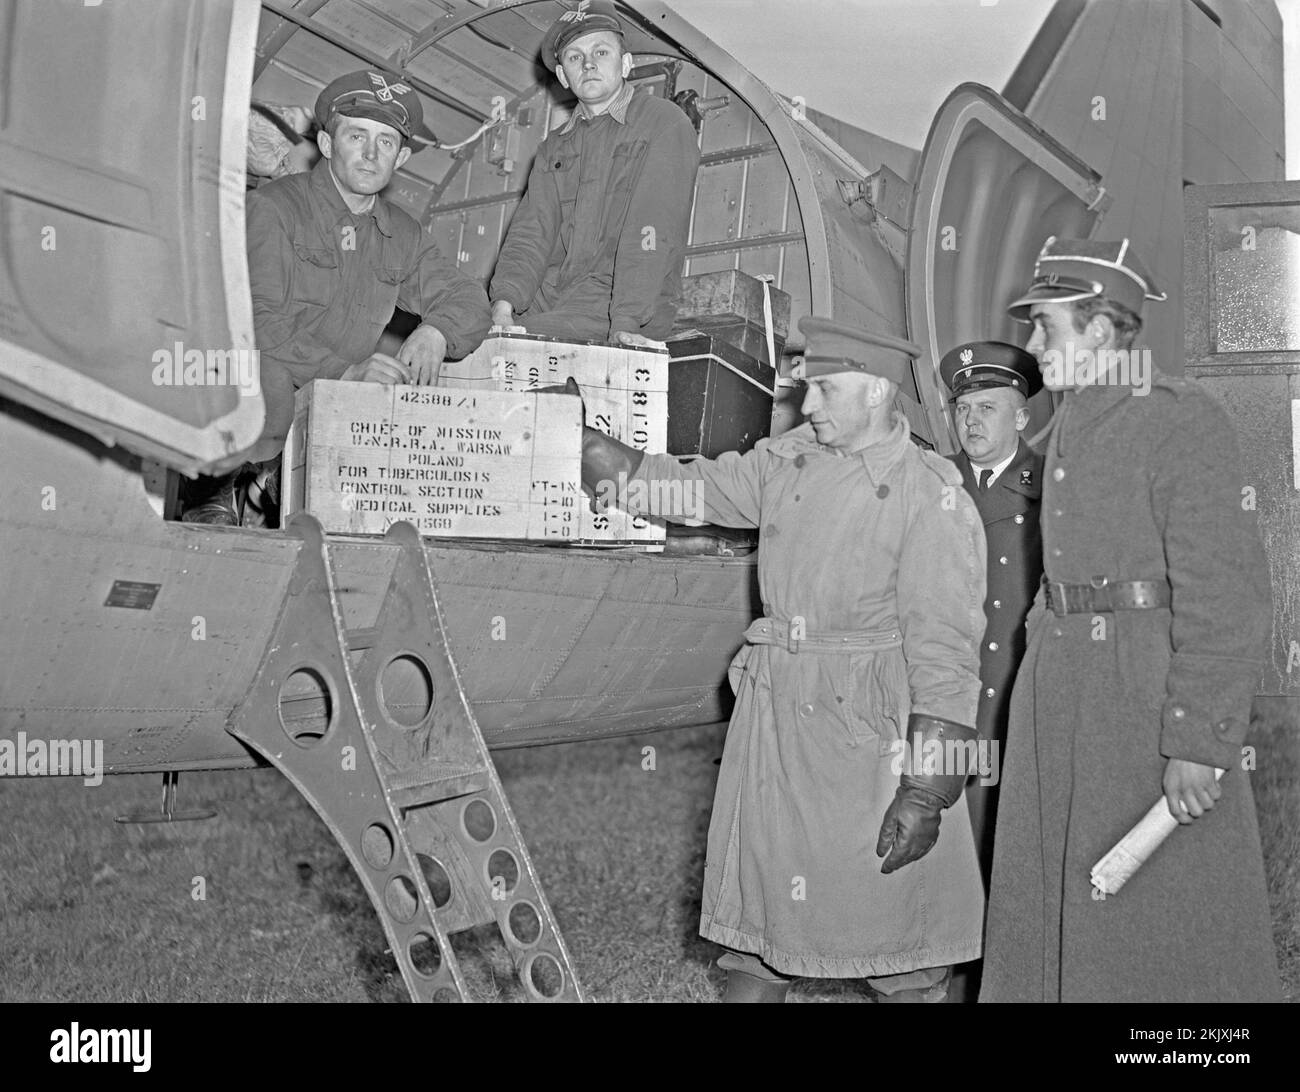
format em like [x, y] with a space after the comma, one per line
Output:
[989, 692]
[806, 709]
[993, 646]
[1056, 633]
[1177, 712]
[1002, 561]
[997, 604]
[1058, 473]
[1056, 551]
[799, 461]
[1057, 512]
[1020, 518]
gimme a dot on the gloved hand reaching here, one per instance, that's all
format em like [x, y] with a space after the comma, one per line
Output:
[603, 457]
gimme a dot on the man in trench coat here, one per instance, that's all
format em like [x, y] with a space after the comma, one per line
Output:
[871, 568]
[1145, 650]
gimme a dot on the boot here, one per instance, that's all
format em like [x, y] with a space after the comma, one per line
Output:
[745, 988]
[214, 501]
[262, 501]
[922, 995]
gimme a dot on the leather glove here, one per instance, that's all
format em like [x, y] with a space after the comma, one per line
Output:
[606, 464]
[603, 457]
[911, 825]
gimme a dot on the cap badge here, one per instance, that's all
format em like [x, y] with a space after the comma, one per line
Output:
[1052, 278]
[967, 355]
[384, 91]
[577, 15]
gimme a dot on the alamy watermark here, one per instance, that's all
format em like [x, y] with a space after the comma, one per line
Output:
[968, 757]
[40, 757]
[182, 367]
[1100, 368]
[658, 497]
[117, 1046]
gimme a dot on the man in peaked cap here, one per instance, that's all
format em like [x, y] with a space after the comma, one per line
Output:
[991, 383]
[871, 569]
[328, 260]
[1070, 270]
[594, 251]
[1145, 647]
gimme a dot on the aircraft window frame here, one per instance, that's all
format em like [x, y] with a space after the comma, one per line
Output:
[1201, 353]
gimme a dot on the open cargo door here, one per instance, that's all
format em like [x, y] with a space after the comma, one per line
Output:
[990, 188]
[124, 300]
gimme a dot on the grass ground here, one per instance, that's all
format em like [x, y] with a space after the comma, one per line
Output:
[94, 911]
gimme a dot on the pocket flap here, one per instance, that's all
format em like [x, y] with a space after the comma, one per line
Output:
[317, 256]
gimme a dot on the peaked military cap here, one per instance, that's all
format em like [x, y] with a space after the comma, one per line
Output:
[1080, 269]
[834, 347]
[980, 364]
[374, 95]
[586, 17]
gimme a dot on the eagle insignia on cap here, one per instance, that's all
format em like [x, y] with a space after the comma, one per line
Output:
[577, 15]
[967, 356]
[383, 90]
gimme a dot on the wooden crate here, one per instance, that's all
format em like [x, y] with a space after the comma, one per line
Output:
[625, 392]
[728, 304]
[456, 463]
[729, 294]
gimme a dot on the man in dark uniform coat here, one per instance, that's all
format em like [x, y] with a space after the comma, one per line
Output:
[991, 383]
[1145, 648]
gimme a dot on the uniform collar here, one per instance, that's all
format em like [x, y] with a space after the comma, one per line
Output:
[878, 458]
[1001, 465]
[1022, 473]
[1021, 481]
[326, 189]
[617, 109]
[1084, 407]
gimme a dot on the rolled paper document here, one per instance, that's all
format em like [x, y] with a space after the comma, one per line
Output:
[1115, 869]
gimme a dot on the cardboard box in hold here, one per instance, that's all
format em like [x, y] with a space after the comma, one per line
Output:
[458, 463]
[625, 392]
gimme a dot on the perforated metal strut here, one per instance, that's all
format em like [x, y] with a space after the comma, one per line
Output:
[417, 807]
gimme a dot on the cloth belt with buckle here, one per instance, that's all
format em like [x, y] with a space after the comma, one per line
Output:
[1100, 596]
[793, 638]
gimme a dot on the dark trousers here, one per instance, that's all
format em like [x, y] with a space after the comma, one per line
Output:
[278, 392]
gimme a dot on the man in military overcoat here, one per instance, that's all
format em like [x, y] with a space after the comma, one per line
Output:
[1145, 650]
